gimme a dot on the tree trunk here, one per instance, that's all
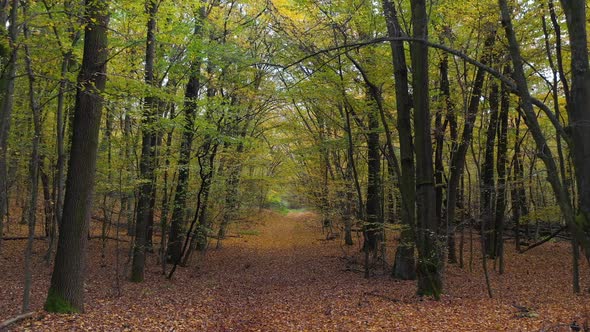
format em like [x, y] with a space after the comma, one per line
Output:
[166, 194]
[429, 269]
[575, 225]
[487, 176]
[190, 109]
[146, 201]
[34, 173]
[460, 150]
[7, 99]
[451, 119]
[373, 229]
[501, 162]
[404, 265]
[579, 111]
[373, 226]
[206, 163]
[66, 292]
[517, 193]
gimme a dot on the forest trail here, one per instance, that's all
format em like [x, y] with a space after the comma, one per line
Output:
[276, 273]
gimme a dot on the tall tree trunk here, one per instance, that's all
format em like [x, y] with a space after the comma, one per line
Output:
[146, 201]
[33, 171]
[430, 263]
[66, 292]
[460, 150]
[6, 99]
[373, 226]
[579, 110]
[404, 265]
[373, 230]
[559, 77]
[575, 225]
[189, 111]
[517, 194]
[501, 162]
[198, 237]
[487, 176]
[128, 199]
[451, 119]
[166, 194]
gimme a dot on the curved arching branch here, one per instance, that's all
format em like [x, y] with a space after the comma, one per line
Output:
[495, 73]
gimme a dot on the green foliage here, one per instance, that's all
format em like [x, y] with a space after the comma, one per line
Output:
[249, 232]
[56, 303]
[583, 221]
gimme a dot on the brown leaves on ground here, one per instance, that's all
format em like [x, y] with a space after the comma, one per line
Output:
[284, 277]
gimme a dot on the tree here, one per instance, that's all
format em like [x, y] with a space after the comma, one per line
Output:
[145, 204]
[66, 291]
[404, 265]
[429, 269]
[9, 56]
[192, 90]
[579, 106]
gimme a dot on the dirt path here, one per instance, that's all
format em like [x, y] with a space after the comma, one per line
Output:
[283, 277]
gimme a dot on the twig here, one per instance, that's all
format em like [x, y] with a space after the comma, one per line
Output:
[94, 237]
[16, 319]
[14, 238]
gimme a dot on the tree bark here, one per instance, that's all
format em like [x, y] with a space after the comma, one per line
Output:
[404, 265]
[501, 162]
[66, 292]
[373, 226]
[7, 99]
[460, 150]
[487, 176]
[451, 119]
[33, 171]
[579, 111]
[191, 95]
[146, 200]
[429, 268]
[575, 225]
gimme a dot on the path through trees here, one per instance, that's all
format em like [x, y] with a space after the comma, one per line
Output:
[280, 274]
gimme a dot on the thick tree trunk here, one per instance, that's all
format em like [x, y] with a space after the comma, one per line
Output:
[373, 226]
[146, 201]
[66, 292]
[404, 265]
[579, 111]
[6, 100]
[430, 263]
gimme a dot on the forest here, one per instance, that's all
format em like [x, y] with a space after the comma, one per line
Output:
[282, 165]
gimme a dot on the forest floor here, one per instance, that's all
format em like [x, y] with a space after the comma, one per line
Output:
[281, 275]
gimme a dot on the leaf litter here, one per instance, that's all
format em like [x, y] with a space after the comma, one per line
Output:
[283, 276]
